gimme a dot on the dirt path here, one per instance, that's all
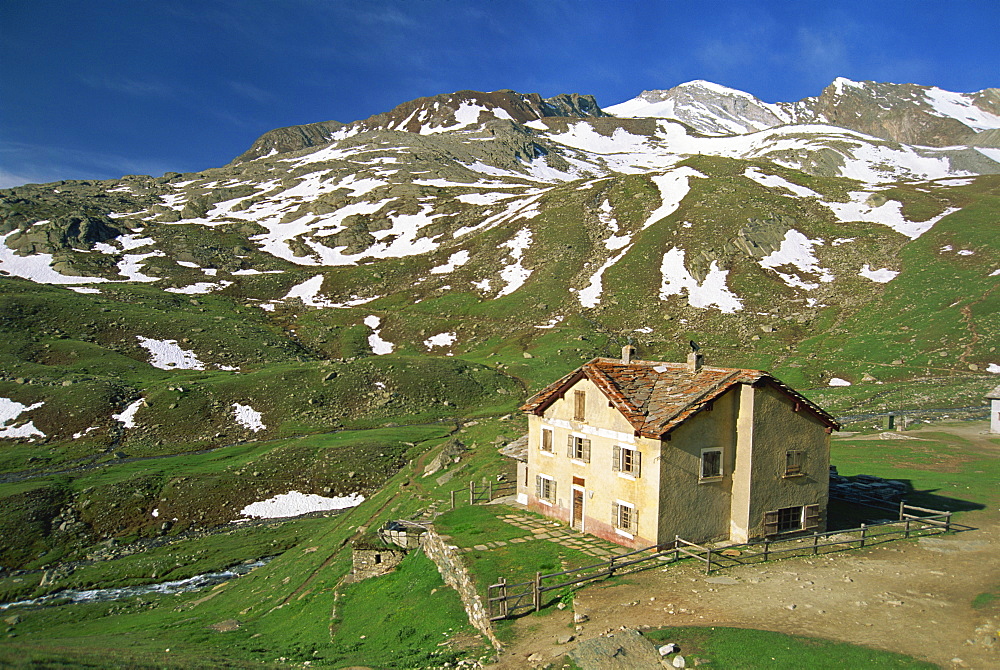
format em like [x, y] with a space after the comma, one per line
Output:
[911, 597]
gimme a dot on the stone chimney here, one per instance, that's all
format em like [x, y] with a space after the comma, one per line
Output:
[627, 352]
[695, 361]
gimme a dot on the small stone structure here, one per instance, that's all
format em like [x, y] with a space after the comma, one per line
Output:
[373, 559]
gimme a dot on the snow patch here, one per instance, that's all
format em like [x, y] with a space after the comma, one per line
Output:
[712, 291]
[168, 355]
[881, 276]
[993, 368]
[294, 503]
[888, 214]
[515, 274]
[248, 417]
[127, 417]
[441, 340]
[9, 411]
[797, 250]
[379, 346]
[457, 259]
[673, 186]
[837, 381]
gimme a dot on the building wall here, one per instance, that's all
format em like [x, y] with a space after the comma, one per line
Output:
[778, 428]
[696, 509]
[605, 427]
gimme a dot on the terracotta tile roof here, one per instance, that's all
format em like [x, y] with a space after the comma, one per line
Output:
[656, 397]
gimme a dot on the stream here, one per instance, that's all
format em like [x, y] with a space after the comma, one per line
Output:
[165, 588]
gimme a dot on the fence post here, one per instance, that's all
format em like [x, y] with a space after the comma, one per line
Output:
[677, 548]
[611, 566]
[906, 534]
[863, 529]
[472, 493]
[536, 591]
[767, 546]
[453, 499]
[902, 510]
[947, 522]
[815, 543]
[490, 490]
[708, 563]
[503, 595]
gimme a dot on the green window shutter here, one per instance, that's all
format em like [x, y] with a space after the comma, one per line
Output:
[616, 456]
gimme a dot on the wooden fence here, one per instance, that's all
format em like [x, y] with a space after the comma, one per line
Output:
[484, 493]
[505, 600]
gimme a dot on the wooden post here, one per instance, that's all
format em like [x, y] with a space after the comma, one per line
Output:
[611, 566]
[863, 529]
[490, 490]
[902, 506]
[503, 595]
[767, 546]
[906, 533]
[947, 522]
[453, 498]
[536, 591]
[472, 493]
[815, 543]
[708, 563]
[677, 548]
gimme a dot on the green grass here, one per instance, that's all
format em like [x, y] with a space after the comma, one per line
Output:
[745, 649]
[945, 471]
[399, 620]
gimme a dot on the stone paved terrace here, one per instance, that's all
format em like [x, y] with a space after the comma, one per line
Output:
[537, 528]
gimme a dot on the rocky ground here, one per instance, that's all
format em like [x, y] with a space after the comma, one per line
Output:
[910, 597]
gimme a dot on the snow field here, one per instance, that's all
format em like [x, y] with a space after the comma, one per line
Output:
[712, 291]
[294, 503]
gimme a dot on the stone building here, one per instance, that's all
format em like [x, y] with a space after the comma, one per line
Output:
[638, 452]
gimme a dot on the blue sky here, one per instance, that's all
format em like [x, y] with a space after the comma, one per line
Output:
[99, 89]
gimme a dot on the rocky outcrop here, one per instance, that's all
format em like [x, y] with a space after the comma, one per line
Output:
[290, 138]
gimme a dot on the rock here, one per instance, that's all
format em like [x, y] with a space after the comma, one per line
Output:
[565, 639]
[679, 662]
[580, 617]
[790, 607]
[12, 620]
[669, 648]
[535, 658]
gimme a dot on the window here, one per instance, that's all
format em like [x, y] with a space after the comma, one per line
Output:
[546, 444]
[791, 519]
[625, 517]
[794, 462]
[545, 489]
[711, 464]
[579, 405]
[578, 448]
[626, 460]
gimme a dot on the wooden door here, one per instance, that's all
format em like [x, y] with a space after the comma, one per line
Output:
[577, 520]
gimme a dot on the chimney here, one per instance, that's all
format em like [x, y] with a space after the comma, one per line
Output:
[627, 352]
[695, 361]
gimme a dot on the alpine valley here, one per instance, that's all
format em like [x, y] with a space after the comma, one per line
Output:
[341, 298]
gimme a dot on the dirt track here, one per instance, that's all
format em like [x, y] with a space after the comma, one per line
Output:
[909, 597]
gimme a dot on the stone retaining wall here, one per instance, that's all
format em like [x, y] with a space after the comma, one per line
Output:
[449, 564]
